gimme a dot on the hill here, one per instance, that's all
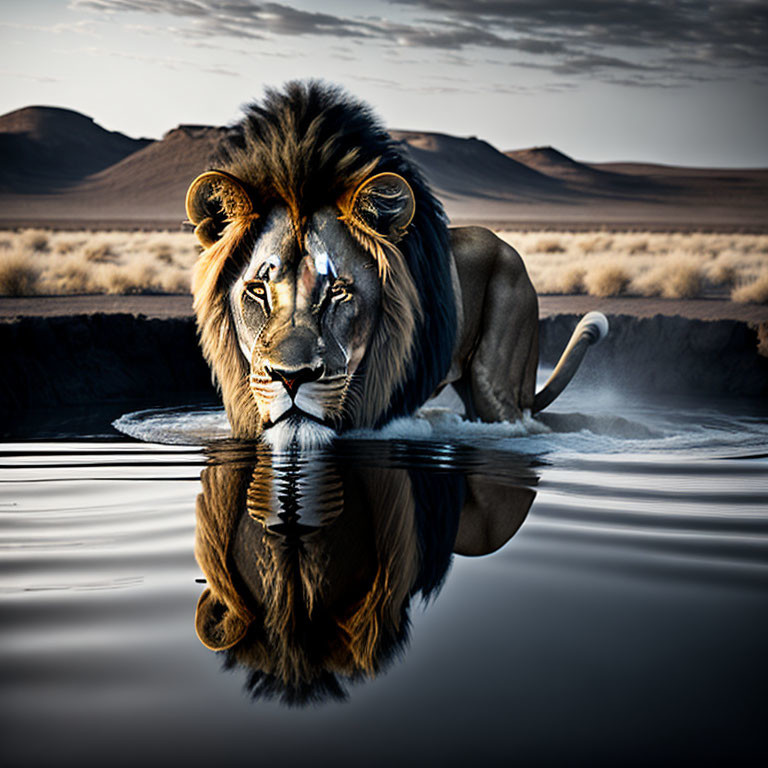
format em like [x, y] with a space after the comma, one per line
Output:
[551, 162]
[58, 168]
[469, 167]
[47, 148]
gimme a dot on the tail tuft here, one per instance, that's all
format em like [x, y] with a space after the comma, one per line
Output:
[595, 324]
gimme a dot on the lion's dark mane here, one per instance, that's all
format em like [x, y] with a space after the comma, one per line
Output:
[301, 147]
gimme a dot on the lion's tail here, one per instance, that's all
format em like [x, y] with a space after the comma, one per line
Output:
[593, 327]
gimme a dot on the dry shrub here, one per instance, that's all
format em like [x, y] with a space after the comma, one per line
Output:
[17, 276]
[65, 246]
[572, 280]
[679, 279]
[549, 245]
[638, 246]
[163, 252]
[140, 277]
[35, 240]
[100, 253]
[5, 244]
[684, 281]
[175, 281]
[596, 244]
[73, 277]
[606, 280]
[722, 273]
[755, 292]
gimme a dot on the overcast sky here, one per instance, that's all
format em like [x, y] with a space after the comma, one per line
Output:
[675, 81]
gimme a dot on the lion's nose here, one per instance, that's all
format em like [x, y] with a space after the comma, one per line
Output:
[293, 379]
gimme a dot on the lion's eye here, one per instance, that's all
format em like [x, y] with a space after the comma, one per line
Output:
[257, 289]
[340, 291]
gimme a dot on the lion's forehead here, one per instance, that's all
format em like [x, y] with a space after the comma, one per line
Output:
[324, 248]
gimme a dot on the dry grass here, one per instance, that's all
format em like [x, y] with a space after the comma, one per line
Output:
[550, 245]
[755, 292]
[673, 265]
[34, 240]
[674, 279]
[18, 275]
[606, 280]
[58, 262]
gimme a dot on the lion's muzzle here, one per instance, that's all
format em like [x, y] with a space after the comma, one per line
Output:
[300, 393]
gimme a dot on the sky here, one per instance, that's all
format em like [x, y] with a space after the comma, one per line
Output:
[672, 81]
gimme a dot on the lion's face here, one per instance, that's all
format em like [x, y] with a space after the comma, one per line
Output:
[304, 307]
[308, 321]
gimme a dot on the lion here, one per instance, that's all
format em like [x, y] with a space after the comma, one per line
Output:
[330, 293]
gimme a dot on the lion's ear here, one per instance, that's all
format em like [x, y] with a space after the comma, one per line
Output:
[217, 627]
[213, 199]
[385, 204]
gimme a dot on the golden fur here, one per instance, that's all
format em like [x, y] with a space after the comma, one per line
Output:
[266, 625]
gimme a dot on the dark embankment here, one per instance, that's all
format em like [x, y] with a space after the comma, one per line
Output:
[95, 359]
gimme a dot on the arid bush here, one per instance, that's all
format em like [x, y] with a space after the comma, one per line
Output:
[678, 279]
[606, 280]
[721, 273]
[163, 252]
[174, 281]
[593, 244]
[572, 280]
[549, 245]
[684, 281]
[35, 240]
[134, 278]
[71, 277]
[65, 246]
[18, 276]
[100, 253]
[755, 292]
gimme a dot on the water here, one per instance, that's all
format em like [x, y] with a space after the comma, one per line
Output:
[610, 607]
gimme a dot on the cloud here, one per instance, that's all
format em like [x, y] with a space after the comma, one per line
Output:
[25, 76]
[237, 18]
[169, 62]
[83, 27]
[679, 41]
[730, 32]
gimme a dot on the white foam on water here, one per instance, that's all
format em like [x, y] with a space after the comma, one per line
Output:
[175, 426]
[657, 430]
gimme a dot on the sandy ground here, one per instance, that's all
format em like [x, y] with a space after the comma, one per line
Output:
[181, 306]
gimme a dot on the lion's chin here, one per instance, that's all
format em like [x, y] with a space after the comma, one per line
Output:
[296, 433]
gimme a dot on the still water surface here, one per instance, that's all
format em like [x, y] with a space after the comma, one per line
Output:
[609, 607]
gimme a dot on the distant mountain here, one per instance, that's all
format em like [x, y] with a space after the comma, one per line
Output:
[58, 168]
[469, 167]
[45, 148]
[551, 162]
[154, 180]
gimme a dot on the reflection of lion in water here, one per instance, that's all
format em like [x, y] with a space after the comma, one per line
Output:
[300, 609]
[331, 294]
[311, 570]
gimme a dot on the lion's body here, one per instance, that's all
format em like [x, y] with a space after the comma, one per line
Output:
[496, 352]
[331, 294]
